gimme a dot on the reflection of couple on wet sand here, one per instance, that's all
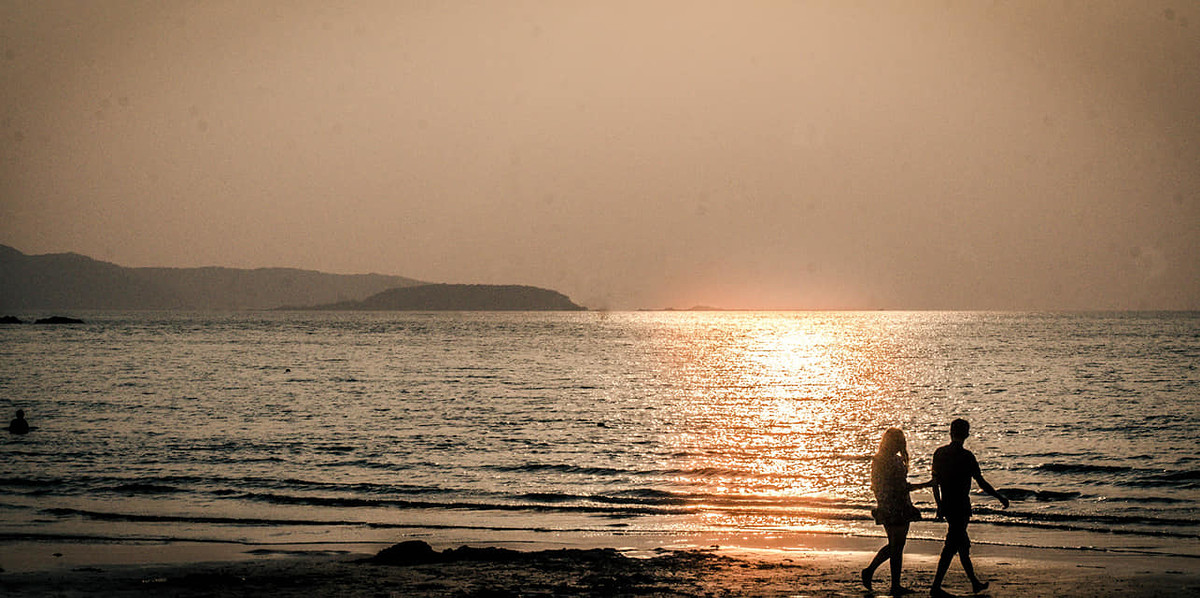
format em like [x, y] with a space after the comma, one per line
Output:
[953, 469]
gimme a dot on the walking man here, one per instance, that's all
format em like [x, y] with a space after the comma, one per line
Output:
[953, 469]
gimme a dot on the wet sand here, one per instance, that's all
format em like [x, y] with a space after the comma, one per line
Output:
[824, 567]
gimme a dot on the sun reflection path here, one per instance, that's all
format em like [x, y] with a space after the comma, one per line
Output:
[777, 415]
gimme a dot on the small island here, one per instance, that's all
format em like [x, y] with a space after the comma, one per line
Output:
[457, 297]
[58, 320]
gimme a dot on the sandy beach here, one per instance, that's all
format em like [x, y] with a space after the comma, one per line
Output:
[819, 566]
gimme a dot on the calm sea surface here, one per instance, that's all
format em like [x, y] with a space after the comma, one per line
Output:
[323, 427]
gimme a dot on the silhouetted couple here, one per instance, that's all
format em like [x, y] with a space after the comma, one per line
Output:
[953, 469]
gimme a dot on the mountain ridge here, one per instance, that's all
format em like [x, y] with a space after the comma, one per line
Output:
[64, 281]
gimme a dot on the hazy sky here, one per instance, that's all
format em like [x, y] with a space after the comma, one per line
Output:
[629, 154]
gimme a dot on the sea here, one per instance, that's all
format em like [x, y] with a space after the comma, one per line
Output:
[302, 428]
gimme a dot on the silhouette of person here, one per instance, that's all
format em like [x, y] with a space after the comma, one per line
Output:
[18, 425]
[953, 469]
[894, 510]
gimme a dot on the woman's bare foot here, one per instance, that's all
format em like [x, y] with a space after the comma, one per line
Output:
[978, 587]
[866, 578]
[899, 591]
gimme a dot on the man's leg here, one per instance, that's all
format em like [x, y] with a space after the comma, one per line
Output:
[956, 533]
[964, 557]
[948, 550]
[943, 565]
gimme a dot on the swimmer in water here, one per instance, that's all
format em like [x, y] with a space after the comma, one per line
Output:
[19, 425]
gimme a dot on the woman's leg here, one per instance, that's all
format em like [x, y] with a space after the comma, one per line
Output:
[880, 557]
[897, 535]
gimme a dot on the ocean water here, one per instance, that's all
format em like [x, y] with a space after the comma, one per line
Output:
[276, 428]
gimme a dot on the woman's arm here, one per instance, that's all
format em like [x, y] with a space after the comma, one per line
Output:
[928, 484]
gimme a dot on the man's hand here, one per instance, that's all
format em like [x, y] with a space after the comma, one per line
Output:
[986, 487]
[1000, 497]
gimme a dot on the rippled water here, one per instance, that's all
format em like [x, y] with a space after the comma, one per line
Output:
[293, 427]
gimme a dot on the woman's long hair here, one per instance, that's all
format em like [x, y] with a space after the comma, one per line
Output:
[883, 469]
[893, 443]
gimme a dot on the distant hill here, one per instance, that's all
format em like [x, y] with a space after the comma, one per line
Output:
[460, 297]
[66, 281]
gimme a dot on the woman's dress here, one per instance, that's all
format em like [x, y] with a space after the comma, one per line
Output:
[889, 482]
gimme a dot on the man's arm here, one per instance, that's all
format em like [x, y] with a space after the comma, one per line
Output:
[937, 497]
[986, 487]
[935, 468]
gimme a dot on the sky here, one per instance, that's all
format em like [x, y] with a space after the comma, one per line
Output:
[645, 154]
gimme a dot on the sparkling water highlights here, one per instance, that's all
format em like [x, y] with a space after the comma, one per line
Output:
[290, 427]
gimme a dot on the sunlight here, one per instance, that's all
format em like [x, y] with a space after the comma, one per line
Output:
[784, 418]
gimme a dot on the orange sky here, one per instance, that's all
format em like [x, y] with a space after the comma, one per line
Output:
[916, 155]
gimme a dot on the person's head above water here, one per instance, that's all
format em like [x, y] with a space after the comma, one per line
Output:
[960, 429]
[20, 414]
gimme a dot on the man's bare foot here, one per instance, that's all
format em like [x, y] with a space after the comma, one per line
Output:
[978, 587]
[866, 578]
[899, 591]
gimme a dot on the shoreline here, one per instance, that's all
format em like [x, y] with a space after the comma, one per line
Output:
[800, 564]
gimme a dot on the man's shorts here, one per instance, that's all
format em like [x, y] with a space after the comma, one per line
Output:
[956, 532]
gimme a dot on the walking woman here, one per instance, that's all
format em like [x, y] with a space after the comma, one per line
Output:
[889, 482]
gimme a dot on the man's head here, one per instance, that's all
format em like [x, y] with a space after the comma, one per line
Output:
[960, 429]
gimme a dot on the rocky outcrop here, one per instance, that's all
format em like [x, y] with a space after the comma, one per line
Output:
[460, 297]
[58, 320]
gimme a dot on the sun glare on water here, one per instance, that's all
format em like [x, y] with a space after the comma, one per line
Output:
[785, 411]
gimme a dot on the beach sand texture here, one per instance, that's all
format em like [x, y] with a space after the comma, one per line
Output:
[490, 571]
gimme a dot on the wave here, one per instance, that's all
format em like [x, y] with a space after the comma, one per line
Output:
[1141, 500]
[1084, 527]
[1126, 476]
[1023, 494]
[318, 492]
[31, 482]
[1177, 476]
[638, 501]
[141, 488]
[633, 497]
[1081, 468]
[657, 502]
[650, 499]
[141, 517]
[552, 503]
[663, 498]
[1176, 479]
[698, 472]
[201, 485]
[561, 468]
[1009, 516]
[1120, 525]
